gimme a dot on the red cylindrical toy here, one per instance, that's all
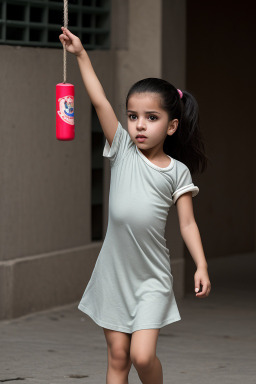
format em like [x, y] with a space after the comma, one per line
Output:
[65, 125]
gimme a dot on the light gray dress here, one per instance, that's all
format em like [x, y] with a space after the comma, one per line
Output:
[131, 286]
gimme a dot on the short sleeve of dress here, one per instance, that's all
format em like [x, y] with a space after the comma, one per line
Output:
[120, 145]
[184, 183]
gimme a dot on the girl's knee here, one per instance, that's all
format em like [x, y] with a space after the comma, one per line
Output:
[142, 359]
[143, 348]
[118, 349]
[118, 358]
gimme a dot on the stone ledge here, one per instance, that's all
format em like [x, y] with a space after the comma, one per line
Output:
[39, 282]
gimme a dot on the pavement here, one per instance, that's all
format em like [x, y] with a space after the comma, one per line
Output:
[214, 343]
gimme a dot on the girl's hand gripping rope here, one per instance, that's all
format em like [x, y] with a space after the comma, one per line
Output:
[71, 42]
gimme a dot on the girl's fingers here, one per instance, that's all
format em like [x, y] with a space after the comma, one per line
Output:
[70, 35]
[205, 291]
[63, 37]
[197, 284]
[64, 40]
[204, 288]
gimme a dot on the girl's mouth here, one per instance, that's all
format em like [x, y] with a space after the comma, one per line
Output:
[141, 138]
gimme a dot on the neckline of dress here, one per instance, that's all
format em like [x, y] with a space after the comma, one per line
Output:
[170, 166]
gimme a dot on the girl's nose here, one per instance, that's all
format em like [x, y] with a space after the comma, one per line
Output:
[141, 123]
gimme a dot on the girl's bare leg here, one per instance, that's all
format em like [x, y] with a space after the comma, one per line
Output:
[119, 362]
[143, 356]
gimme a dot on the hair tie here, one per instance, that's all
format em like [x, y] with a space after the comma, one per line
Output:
[180, 93]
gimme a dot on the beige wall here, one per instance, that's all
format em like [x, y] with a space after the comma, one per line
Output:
[46, 254]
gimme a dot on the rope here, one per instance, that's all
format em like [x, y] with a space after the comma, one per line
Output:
[64, 50]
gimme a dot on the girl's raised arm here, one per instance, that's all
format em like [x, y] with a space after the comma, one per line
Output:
[104, 110]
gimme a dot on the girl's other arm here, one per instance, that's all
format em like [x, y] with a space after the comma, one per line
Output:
[191, 236]
[104, 110]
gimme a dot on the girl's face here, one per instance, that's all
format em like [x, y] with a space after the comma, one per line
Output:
[147, 118]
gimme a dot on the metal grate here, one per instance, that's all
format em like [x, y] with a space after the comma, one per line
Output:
[36, 23]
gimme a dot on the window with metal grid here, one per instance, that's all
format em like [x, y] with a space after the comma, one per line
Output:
[37, 23]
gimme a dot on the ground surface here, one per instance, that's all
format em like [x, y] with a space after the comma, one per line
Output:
[214, 343]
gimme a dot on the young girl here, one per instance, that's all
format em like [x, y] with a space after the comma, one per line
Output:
[130, 293]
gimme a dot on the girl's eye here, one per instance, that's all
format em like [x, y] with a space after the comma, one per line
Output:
[152, 117]
[132, 117]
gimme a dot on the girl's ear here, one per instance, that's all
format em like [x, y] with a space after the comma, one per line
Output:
[172, 126]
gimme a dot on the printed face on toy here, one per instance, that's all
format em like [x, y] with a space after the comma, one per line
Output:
[148, 122]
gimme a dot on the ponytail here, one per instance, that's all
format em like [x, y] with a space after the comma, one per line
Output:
[187, 143]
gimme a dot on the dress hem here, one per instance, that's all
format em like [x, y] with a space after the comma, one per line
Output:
[113, 327]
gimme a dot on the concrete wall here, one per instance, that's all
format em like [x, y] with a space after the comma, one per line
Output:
[46, 254]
